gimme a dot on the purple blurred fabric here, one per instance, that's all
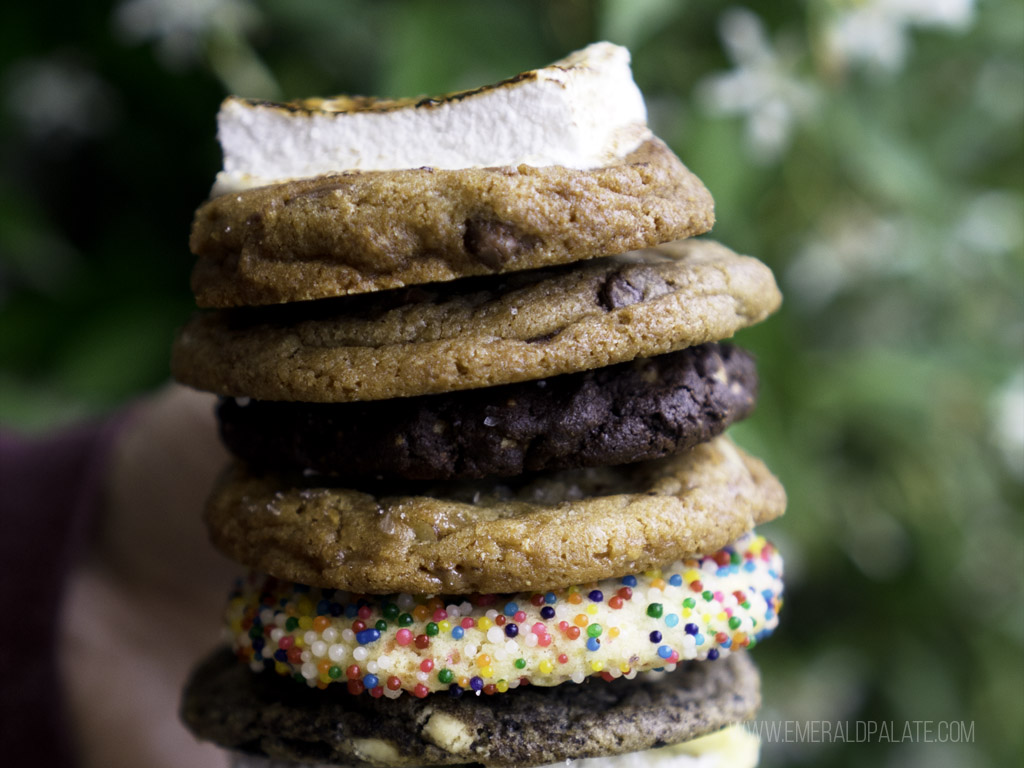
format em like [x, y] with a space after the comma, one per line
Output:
[51, 488]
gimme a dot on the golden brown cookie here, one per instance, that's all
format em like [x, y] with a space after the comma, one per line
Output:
[478, 332]
[536, 532]
[369, 231]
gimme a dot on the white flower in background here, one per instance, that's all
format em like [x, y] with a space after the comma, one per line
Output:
[59, 98]
[992, 223]
[852, 247]
[876, 32]
[762, 87]
[181, 27]
[211, 32]
[1008, 423]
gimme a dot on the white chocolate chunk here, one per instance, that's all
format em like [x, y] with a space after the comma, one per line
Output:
[449, 733]
[378, 751]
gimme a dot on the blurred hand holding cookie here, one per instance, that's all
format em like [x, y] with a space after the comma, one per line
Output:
[148, 596]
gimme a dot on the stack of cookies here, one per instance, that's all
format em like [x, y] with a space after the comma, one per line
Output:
[471, 370]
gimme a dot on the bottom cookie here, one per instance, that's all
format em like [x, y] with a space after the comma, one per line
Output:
[731, 747]
[262, 714]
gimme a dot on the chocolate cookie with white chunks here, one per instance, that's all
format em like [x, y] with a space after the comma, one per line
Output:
[478, 332]
[263, 714]
[644, 409]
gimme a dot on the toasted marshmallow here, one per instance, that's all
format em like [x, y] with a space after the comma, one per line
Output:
[582, 112]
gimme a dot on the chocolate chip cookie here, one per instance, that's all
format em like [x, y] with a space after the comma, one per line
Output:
[532, 532]
[374, 230]
[479, 332]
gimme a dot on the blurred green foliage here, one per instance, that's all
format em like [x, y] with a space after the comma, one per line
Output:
[880, 176]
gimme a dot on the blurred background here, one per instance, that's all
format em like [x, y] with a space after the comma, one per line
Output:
[870, 151]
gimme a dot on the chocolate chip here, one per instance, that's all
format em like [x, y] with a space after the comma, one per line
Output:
[493, 243]
[631, 285]
[543, 338]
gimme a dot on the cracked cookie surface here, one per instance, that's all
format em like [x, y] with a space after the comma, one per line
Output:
[643, 409]
[265, 715]
[534, 532]
[478, 332]
[369, 231]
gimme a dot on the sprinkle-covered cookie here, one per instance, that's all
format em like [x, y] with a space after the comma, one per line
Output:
[535, 532]
[633, 411]
[700, 608]
[481, 332]
[373, 230]
[263, 714]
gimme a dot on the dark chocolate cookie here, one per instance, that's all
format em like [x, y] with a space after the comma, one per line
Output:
[644, 409]
[267, 715]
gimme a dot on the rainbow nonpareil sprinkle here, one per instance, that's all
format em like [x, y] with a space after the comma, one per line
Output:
[702, 608]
